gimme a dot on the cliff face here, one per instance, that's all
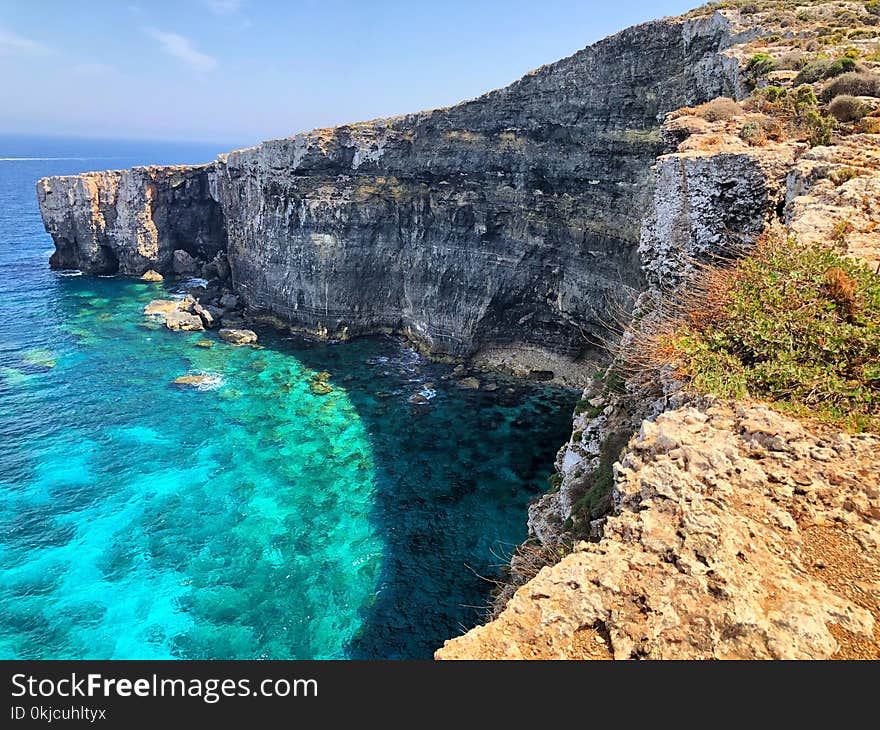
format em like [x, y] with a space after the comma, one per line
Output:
[511, 218]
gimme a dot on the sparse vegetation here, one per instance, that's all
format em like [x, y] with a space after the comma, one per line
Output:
[595, 491]
[844, 174]
[760, 65]
[796, 325]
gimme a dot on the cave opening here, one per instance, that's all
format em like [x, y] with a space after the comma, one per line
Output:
[107, 261]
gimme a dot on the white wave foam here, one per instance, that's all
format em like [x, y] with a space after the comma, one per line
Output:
[212, 380]
[70, 272]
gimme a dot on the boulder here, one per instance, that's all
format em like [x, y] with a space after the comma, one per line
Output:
[185, 321]
[229, 301]
[469, 383]
[218, 268]
[183, 263]
[237, 336]
[210, 315]
[152, 275]
[161, 306]
[207, 344]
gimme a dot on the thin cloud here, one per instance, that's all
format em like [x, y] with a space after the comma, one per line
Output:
[224, 7]
[12, 44]
[95, 69]
[181, 48]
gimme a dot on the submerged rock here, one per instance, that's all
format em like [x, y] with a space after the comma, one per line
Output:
[193, 380]
[238, 336]
[152, 275]
[318, 387]
[470, 383]
[207, 344]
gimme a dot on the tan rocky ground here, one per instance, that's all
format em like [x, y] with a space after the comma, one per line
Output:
[736, 534]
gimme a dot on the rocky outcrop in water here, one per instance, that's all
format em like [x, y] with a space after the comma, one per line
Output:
[511, 219]
[131, 221]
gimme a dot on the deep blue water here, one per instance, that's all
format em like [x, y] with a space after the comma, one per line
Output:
[250, 518]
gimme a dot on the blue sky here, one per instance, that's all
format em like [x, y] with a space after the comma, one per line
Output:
[240, 71]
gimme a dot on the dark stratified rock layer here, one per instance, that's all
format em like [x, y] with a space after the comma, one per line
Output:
[511, 219]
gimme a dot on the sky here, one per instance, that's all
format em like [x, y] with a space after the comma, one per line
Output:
[242, 71]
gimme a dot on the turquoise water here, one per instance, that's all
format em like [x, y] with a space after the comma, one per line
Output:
[247, 518]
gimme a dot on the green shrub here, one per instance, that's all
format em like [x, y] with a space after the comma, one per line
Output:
[873, 7]
[848, 109]
[583, 407]
[812, 72]
[853, 84]
[760, 65]
[774, 93]
[819, 127]
[840, 66]
[799, 327]
[804, 97]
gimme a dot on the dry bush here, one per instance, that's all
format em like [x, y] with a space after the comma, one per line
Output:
[841, 289]
[848, 109]
[793, 61]
[853, 84]
[719, 109]
[761, 129]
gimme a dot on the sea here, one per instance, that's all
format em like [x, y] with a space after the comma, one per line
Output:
[247, 518]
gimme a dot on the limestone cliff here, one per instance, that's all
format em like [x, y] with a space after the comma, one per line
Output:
[130, 221]
[510, 218]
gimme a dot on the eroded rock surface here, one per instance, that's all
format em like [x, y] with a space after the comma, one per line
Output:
[709, 551]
